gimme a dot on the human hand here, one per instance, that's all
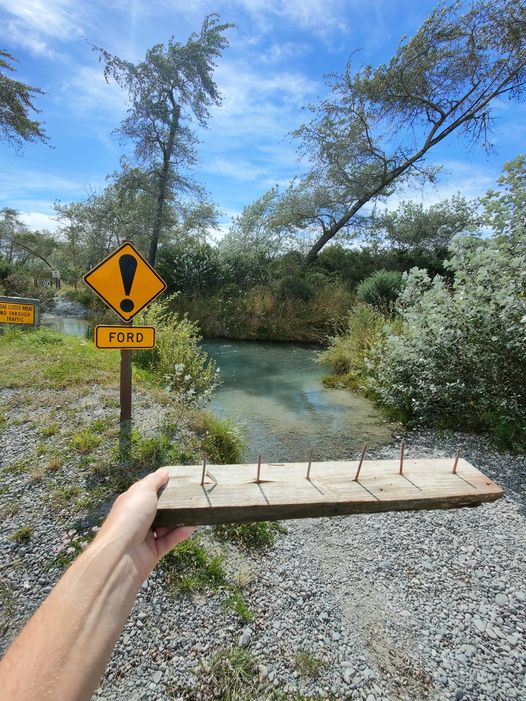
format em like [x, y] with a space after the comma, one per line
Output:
[128, 524]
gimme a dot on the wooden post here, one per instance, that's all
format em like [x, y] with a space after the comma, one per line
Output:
[126, 383]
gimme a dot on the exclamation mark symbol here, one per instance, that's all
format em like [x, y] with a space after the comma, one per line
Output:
[128, 266]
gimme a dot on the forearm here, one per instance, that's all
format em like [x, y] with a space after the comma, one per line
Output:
[63, 650]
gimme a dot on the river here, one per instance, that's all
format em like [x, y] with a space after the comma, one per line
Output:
[274, 391]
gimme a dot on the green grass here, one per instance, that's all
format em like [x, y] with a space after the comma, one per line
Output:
[50, 430]
[188, 568]
[64, 496]
[307, 664]
[85, 441]
[22, 535]
[230, 675]
[44, 359]
[18, 467]
[250, 535]
[236, 603]
[222, 439]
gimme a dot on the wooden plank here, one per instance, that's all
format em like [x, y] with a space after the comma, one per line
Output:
[231, 494]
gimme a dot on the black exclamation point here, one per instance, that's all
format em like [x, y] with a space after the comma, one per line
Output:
[128, 266]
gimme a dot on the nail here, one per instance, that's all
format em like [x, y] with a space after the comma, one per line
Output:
[402, 446]
[456, 461]
[259, 468]
[310, 463]
[360, 464]
[204, 470]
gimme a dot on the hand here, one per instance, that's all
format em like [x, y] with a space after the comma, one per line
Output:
[129, 524]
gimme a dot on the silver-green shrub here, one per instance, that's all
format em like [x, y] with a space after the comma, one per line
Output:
[460, 358]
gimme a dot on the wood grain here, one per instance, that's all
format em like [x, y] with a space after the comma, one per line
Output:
[230, 493]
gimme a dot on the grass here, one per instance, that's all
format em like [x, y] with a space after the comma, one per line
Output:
[62, 497]
[307, 664]
[236, 603]
[50, 430]
[85, 441]
[252, 536]
[222, 439]
[18, 467]
[230, 675]
[22, 535]
[44, 359]
[188, 568]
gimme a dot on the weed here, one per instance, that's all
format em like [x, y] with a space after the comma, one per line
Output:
[10, 508]
[18, 467]
[50, 430]
[231, 675]
[222, 439]
[3, 421]
[250, 535]
[188, 567]
[63, 496]
[238, 605]
[85, 441]
[22, 535]
[307, 664]
[54, 463]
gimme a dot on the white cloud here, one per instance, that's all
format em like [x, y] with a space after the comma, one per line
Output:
[89, 95]
[34, 23]
[39, 220]
[17, 185]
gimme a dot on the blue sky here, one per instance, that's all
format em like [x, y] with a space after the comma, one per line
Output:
[278, 55]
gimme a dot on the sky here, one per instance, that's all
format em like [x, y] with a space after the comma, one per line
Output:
[280, 51]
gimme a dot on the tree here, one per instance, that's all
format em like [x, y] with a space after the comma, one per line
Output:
[169, 90]
[505, 210]
[374, 131]
[16, 126]
[412, 228]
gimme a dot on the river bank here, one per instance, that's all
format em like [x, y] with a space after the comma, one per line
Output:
[387, 607]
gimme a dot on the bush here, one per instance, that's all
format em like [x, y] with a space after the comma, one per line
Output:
[177, 361]
[17, 284]
[459, 359]
[222, 439]
[190, 267]
[348, 352]
[380, 289]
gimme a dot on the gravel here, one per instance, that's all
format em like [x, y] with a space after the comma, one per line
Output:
[398, 606]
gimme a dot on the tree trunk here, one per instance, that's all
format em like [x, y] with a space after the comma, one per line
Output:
[163, 186]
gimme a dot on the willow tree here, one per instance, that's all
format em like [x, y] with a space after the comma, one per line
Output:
[170, 91]
[376, 128]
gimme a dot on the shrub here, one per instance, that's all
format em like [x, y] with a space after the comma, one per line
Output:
[459, 359]
[222, 439]
[348, 352]
[190, 267]
[380, 289]
[177, 361]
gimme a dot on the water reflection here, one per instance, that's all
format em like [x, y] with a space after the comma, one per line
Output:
[275, 390]
[72, 326]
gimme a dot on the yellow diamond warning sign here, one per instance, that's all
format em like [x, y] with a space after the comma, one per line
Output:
[125, 281]
[125, 337]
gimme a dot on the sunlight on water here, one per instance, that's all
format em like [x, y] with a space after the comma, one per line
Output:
[275, 391]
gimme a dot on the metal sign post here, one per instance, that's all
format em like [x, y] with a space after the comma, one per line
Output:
[126, 382]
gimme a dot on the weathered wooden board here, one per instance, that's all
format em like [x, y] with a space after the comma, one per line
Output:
[230, 493]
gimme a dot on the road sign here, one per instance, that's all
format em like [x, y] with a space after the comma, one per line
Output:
[17, 310]
[125, 281]
[125, 337]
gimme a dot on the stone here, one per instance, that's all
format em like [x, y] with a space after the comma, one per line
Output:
[245, 637]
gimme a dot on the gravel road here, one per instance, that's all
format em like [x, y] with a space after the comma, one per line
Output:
[425, 605]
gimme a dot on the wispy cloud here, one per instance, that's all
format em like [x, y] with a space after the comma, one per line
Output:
[36, 24]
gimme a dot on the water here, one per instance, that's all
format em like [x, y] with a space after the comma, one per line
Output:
[274, 390]
[72, 326]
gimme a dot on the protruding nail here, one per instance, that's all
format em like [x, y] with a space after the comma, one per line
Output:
[362, 456]
[402, 447]
[204, 471]
[457, 457]
[310, 463]
[259, 469]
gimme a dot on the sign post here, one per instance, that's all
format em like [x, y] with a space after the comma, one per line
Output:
[126, 282]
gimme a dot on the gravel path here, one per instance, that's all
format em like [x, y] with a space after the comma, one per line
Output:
[427, 605]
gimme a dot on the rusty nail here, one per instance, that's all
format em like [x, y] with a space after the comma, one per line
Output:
[360, 464]
[310, 463]
[204, 470]
[456, 461]
[402, 447]
[259, 468]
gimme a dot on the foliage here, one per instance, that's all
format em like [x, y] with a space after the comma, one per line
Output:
[348, 352]
[377, 126]
[459, 359]
[190, 267]
[221, 439]
[380, 289]
[238, 605]
[252, 536]
[178, 361]
[412, 228]
[307, 664]
[16, 105]
[505, 210]
[22, 535]
[168, 90]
